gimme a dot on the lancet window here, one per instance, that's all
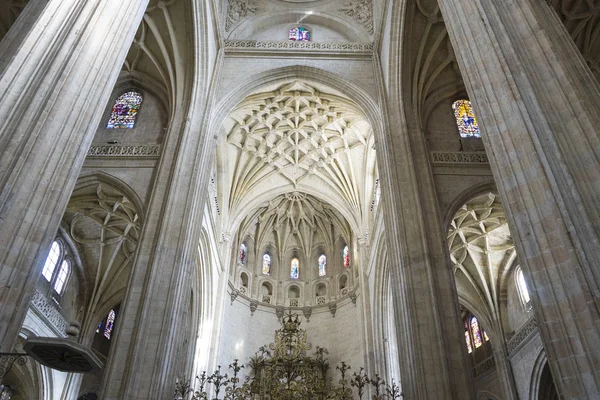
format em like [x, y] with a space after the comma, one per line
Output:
[125, 111]
[110, 323]
[57, 277]
[522, 287]
[266, 266]
[295, 268]
[465, 119]
[322, 265]
[476, 333]
[346, 256]
[243, 254]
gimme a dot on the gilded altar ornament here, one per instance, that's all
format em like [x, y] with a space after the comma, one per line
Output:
[284, 371]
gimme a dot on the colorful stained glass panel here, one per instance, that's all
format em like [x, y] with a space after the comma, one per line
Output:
[476, 333]
[243, 254]
[266, 267]
[299, 34]
[465, 119]
[125, 111]
[295, 269]
[468, 340]
[322, 265]
[346, 256]
[110, 321]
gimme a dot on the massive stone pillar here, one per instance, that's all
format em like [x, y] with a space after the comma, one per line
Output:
[432, 353]
[58, 65]
[538, 106]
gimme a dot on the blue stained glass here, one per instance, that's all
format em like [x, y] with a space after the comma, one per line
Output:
[125, 111]
[299, 34]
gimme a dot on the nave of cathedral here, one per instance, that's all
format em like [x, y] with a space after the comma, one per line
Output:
[382, 199]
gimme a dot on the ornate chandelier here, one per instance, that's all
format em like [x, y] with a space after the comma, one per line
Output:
[284, 371]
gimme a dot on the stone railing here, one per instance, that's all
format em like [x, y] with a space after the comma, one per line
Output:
[477, 158]
[125, 150]
[521, 335]
[291, 45]
[484, 366]
[44, 306]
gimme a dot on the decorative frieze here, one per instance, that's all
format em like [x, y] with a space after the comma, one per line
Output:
[126, 150]
[484, 366]
[522, 335]
[275, 45]
[40, 303]
[441, 157]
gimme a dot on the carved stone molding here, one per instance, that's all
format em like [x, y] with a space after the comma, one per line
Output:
[237, 10]
[333, 308]
[274, 45]
[486, 365]
[361, 11]
[234, 294]
[522, 335]
[440, 157]
[253, 306]
[126, 150]
[40, 303]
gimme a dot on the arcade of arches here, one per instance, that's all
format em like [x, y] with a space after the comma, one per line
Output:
[417, 180]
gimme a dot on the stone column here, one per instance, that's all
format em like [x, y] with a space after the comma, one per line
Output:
[432, 353]
[58, 65]
[538, 107]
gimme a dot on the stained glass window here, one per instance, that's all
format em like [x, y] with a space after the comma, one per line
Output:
[522, 286]
[125, 111]
[476, 332]
[266, 268]
[51, 261]
[110, 322]
[243, 254]
[294, 268]
[322, 265]
[346, 256]
[468, 340]
[465, 119]
[299, 34]
[61, 279]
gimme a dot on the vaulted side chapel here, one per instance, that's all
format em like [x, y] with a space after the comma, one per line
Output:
[299, 199]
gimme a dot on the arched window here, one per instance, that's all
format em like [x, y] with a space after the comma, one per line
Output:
[322, 265]
[110, 323]
[57, 277]
[476, 333]
[266, 267]
[468, 340]
[61, 277]
[295, 268]
[522, 287]
[125, 111]
[243, 254]
[299, 34]
[346, 257]
[51, 261]
[465, 119]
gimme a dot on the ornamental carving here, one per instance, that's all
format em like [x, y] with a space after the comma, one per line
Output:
[439, 157]
[238, 10]
[522, 335]
[131, 150]
[361, 11]
[281, 45]
[49, 312]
